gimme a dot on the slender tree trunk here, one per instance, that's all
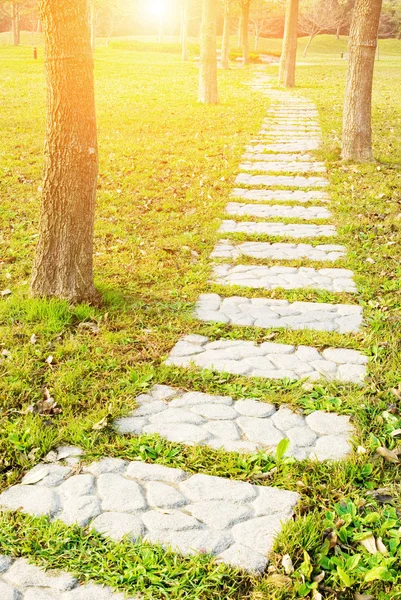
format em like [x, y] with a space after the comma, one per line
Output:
[63, 265]
[93, 24]
[225, 45]
[338, 32]
[239, 32]
[184, 31]
[357, 118]
[311, 37]
[256, 39]
[245, 31]
[208, 62]
[15, 24]
[289, 53]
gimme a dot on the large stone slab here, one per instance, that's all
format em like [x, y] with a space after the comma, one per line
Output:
[281, 180]
[277, 157]
[270, 360]
[239, 426]
[266, 313]
[188, 513]
[264, 166]
[262, 145]
[265, 211]
[308, 230]
[21, 580]
[280, 195]
[289, 278]
[278, 251]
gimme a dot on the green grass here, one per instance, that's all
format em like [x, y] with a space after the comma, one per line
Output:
[167, 165]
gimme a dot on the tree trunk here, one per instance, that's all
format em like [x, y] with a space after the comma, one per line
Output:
[184, 31]
[239, 32]
[357, 117]
[313, 35]
[15, 24]
[63, 265]
[338, 32]
[208, 62]
[93, 24]
[245, 31]
[225, 45]
[289, 54]
[256, 39]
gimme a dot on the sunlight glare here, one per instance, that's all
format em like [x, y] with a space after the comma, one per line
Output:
[157, 7]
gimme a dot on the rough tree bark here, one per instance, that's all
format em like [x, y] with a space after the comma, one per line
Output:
[225, 45]
[208, 63]
[15, 23]
[245, 9]
[357, 117]
[289, 54]
[63, 265]
[93, 24]
[184, 31]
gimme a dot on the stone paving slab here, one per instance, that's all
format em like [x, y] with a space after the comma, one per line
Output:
[278, 251]
[280, 195]
[288, 278]
[237, 426]
[267, 313]
[21, 580]
[288, 136]
[298, 156]
[288, 128]
[269, 360]
[290, 147]
[269, 166]
[284, 180]
[265, 211]
[233, 520]
[278, 229]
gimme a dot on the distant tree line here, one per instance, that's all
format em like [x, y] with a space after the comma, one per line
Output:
[262, 18]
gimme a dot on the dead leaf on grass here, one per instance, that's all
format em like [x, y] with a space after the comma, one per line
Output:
[47, 406]
[388, 455]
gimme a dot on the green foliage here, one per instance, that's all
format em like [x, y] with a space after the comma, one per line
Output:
[361, 545]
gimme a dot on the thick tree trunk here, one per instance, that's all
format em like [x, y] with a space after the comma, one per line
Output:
[208, 62]
[63, 265]
[225, 45]
[289, 53]
[357, 117]
[93, 24]
[15, 24]
[245, 31]
[184, 31]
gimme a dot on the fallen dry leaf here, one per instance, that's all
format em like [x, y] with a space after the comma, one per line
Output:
[5, 293]
[369, 543]
[92, 327]
[387, 454]
[47, 406]
[287, 564]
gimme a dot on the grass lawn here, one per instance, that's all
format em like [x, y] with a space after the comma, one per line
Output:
[167, 165]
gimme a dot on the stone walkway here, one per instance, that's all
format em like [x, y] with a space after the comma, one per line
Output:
[20, 580]
[237, 426]
[235, 521]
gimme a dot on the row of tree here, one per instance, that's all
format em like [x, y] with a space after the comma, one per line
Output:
[63, 260]
[357, 135]
[265, 18]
